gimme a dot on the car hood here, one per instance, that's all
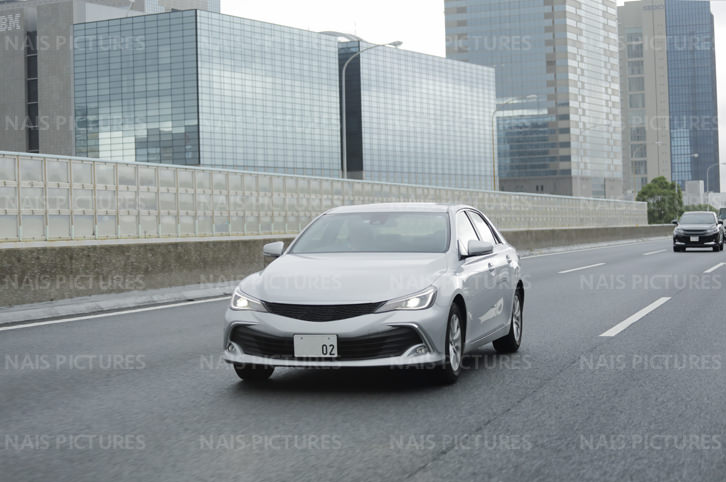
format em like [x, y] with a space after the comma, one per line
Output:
[343, 278]
[698, 227]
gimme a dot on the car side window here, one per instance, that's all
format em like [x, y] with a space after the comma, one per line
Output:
[464, 232]
[485, 232]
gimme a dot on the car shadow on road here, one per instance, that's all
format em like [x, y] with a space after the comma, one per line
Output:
[379, 380]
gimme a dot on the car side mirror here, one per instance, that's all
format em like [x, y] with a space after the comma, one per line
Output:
[720, 221]
[479, 248]
[675, 221]
[273, 250]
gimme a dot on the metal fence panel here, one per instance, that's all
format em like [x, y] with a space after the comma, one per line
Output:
[57, 198]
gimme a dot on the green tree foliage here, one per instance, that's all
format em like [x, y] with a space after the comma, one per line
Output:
[665, 200]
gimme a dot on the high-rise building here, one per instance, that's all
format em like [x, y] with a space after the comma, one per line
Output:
[558, 90]
[36, 54]
[668, 84]
[644, 91]
[417, 119]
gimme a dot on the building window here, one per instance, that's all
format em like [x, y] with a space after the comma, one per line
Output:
[636, 84]
[635, 37]
[637, 150]
[635, 51]
[637, 101]
[31, 87]
[635, 67]
[640, 167]
[637, 134]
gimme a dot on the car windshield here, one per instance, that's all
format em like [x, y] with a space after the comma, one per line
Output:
[698, 218]
[376, 232]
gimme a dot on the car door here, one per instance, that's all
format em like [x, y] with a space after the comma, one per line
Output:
[500, 286]
[474, 277]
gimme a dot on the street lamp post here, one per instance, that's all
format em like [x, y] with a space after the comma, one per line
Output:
[708, 172]
[344, 126]
[494, 135]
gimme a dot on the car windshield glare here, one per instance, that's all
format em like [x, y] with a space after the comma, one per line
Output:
[698, 218]
[376, 232]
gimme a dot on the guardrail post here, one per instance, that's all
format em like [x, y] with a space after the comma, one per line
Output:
[18, 180]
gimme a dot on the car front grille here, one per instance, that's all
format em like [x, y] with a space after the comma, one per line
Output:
[321, 312]
[390, 343]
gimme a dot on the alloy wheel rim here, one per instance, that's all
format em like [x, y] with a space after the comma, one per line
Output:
[517, 320]
[455, 343]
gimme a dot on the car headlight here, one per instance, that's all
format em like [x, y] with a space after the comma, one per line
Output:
[678, 231]
[417, 301]
[243, 302]
[713, 230]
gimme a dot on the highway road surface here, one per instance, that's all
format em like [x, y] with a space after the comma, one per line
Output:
[620, 377]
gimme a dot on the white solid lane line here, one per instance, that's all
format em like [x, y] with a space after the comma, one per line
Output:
[114, 313]
[642, 313]
[655, 252]
[711, 270]
[581, 268]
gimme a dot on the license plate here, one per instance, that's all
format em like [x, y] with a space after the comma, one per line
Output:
[694, 239]
[316, 346]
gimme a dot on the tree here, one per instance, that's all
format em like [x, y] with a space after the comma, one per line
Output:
[665, 200]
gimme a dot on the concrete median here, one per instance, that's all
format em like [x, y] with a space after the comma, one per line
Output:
[42, 272]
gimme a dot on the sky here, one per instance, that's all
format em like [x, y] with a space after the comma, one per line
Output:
[419, 24]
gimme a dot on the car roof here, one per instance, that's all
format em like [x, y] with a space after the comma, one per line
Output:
[387, 207]
[699, 212]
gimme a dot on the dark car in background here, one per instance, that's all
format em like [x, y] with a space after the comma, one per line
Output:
[722, 214]
[698, 229]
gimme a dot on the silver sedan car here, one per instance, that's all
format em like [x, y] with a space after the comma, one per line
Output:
[406, 284]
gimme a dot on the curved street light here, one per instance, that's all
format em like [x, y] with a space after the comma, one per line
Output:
[494, 134]
[708, 172]
[344, 119]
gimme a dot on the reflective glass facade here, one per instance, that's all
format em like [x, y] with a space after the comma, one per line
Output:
[418, 119]
[557, 78]
[207, 89]
[269, 97]
[136, 89]
[692, 93]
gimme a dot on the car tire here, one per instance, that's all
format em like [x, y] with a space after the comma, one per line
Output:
[449, 372]
[253, 373]
[511, 342]
[717, 249]
[678, 249]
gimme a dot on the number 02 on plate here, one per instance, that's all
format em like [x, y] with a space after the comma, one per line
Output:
[316, 346]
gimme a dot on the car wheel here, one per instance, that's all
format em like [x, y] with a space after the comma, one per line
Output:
[253, 373]
[678, 249]
[449, 372]
[716, 249]
[510, 343]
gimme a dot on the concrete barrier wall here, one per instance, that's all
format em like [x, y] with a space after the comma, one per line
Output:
[531, 239]
[45, 273]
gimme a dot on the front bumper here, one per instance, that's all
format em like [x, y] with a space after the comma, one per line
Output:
[704, 240]
[237, 357]
[266, 339]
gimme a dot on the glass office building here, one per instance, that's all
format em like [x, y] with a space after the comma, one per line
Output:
[557, 88]
[136, 89]
[418, 119]
[692, 93]
[201, 88]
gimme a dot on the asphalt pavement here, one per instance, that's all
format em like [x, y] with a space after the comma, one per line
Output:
[145, 395]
